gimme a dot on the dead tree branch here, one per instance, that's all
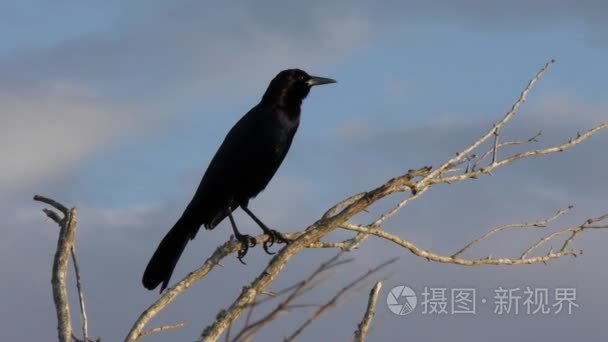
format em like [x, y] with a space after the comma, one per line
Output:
[228, 248]
[83, 311]
[65, 243]
[163, 328]
[296, 290]
[370, 312]
[334, 300]
[571, 232]
[536, 224]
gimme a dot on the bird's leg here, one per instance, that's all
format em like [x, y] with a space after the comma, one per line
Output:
[273, 235]
[245, 240]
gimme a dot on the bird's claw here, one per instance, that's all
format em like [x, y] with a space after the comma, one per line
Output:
[246, 241]
[273, 236]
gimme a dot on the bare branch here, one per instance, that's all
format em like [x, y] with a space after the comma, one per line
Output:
[163, 328]
[76, 339]
[495, 148]
[332, 211]
[52, 215]
[416, 192]
[549, 150]
[573, 231]
[536, 224]
[222, 251]
[62, 208]
[430, 256]
[68, 227]
[497, 125]
[363, 327]
[83, 311]
[478, 159]
[60, 265]
[334, 300]
[297, 291]
[229, 247]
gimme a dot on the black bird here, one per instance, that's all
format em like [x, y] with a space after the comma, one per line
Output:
[250, 155]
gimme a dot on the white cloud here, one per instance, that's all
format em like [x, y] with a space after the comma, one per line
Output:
[47, 129]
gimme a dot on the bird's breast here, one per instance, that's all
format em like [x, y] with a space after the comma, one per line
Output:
[284, 134]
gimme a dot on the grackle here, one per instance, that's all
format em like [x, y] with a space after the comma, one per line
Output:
[247, 159]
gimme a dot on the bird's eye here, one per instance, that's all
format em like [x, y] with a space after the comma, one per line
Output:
[301, 77]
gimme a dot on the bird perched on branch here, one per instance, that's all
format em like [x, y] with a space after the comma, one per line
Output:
[248, 158]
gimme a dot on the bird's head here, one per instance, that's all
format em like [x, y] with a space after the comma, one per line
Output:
[291, 86]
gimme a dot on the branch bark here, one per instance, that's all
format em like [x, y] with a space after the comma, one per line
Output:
[334, 300]
[60, 265]
[370, 312]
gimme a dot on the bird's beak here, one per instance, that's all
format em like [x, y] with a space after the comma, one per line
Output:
[315, 80]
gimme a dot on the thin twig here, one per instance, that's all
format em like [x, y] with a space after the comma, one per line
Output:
[229, 247]
[297, 291]
[76, 339]
[163, 328]
[52, 215]
[62, 208]
[534, 138]
[370, 311]
[549, 150]
[536, 224]
[222, 251]
[83, 311]
[430, 256]
[495, 148]
[514, 109]
[573, 231]
[334, 300]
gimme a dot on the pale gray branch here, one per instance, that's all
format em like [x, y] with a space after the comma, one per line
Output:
[370, 312]
[163, 328]
[430, 256]
[334, 300]
[83, 311]
[514, 109]
[573, 231]
[229, 247]
[549, 150]
[536, 224]
[478, 159]
[65, 243]
[297, 291]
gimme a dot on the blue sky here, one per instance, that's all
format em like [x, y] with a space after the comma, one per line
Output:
[117, 108]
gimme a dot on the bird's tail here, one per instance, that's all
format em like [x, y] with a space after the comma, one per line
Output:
[167, 254]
